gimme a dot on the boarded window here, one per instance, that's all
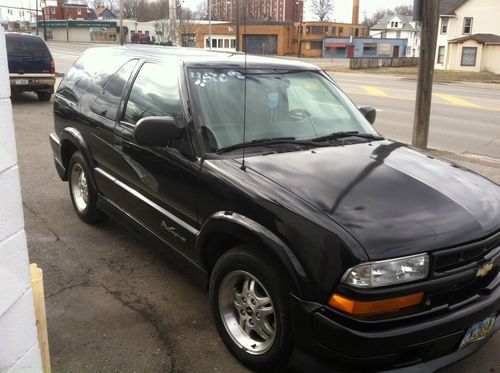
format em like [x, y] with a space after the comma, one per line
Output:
[316, 45]
[369, 50]
[384, 50]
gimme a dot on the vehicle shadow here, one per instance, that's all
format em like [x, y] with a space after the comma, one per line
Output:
[26, 98]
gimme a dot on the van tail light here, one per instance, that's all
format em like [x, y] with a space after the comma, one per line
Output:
[52, 66]
[355, 307]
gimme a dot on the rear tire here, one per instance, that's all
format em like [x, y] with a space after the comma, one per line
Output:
[250, 307]
[44, 96]
[83, 194]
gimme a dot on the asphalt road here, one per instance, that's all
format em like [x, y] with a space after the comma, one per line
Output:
[114, 304]
[465, 117]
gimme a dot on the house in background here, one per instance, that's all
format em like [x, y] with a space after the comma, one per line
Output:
[104, 13]
[469, 35]
[66, 10]
[399, 27]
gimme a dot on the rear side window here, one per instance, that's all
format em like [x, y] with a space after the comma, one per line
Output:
[89, 73]
[107, 101]
[26, 46]
[155, 93]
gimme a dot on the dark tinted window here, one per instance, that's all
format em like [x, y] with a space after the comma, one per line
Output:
[108, 99]
[155, 93]
[26, 46]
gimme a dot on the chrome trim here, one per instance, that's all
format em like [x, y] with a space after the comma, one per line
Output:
[32, 75]
[146, 200]
[55, 138]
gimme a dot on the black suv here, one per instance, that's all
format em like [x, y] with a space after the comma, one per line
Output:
[31, 66]
[267, 185]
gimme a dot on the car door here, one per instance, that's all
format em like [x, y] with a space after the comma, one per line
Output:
[158, 185]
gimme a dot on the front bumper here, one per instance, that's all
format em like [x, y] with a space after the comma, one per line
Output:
[426, 343]
[33, 83]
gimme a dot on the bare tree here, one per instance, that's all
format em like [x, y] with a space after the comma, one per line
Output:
[322, 9]
[201, 11]
[130, 9]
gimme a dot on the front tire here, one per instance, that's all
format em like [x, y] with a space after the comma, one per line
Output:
[83, 195]
[249, 301]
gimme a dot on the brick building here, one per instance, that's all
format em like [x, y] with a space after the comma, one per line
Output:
[313, 34]
[274, 38]
[70, 11]
[271, 10]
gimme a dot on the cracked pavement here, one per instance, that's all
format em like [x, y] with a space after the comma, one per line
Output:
[114, 303]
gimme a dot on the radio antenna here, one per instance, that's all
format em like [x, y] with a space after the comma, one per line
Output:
[243, 167]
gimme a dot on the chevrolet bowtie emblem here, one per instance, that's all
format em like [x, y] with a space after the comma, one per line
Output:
[484, 269]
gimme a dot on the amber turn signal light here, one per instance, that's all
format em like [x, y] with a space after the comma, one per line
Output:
[355, 307]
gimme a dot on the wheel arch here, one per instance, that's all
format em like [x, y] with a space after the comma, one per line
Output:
[225, 230]
[71, 141]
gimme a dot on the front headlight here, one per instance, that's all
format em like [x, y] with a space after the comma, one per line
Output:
[388, 272]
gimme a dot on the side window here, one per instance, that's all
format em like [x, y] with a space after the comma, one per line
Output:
[155, 93]
[107, 101]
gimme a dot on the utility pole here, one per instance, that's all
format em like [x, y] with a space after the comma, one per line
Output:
[238, 25]
[299, 38]
[43, 20]
[67, 20]
[121, 22]
[209, 24]
[426, 11]
[36, 16]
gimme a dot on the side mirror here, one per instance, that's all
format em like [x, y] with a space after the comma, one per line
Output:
[157, 131]
[369, 113]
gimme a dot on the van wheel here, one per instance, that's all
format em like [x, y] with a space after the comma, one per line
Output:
[249, 302]
[83, 194]
[44, 96]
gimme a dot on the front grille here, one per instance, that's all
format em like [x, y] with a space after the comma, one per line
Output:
[446, 260]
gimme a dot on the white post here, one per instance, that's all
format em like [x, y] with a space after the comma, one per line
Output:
[19, 350]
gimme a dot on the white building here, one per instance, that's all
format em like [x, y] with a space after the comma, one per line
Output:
[399, 27]
[19, 349]
[469, 35]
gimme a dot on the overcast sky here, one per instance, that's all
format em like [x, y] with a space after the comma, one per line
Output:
[342, 12]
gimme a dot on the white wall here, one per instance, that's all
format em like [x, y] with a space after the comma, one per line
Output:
[19, 351]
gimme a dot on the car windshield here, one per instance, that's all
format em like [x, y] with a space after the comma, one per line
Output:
[302, 105]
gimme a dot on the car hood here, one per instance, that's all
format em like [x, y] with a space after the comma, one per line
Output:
[394, 200]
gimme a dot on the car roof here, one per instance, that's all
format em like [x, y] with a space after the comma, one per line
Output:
[198, 57]
[23, 34]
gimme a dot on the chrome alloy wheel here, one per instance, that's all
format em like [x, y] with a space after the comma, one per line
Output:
[247, 312]
[79, 187]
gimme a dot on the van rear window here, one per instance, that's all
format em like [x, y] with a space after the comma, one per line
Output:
[22, 46]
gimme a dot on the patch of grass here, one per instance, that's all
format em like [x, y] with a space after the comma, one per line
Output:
[441, 76]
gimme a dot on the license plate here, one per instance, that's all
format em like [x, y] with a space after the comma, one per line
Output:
[478, 331]
[22, 81]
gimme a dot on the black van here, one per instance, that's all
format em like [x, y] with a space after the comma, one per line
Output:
[31, 66]
[268, 186]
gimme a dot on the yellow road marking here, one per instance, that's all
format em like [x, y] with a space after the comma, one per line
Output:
[374, 91]
[413, 100]
[454, 100]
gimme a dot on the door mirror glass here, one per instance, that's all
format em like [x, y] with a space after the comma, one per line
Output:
[157, 131]
[369, 113]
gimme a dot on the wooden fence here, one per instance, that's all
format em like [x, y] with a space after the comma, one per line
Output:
[374, 62]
